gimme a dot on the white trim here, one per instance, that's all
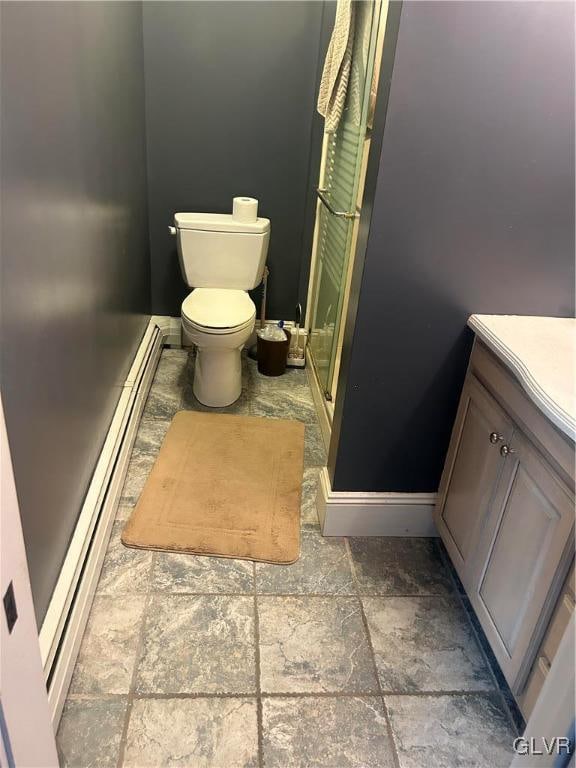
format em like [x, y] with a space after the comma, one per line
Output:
[63, 626]
[27, 737]
[171, 328]
[347, 513]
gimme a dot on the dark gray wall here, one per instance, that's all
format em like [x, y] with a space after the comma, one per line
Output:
[230, 96]
[473, 212]
[75, 263]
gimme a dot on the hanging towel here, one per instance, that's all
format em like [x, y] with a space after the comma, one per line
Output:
[336, 73]
[359, 70]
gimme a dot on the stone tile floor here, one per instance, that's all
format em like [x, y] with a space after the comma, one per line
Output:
[362, 653]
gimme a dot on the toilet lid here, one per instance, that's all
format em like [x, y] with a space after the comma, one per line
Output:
[218, 307]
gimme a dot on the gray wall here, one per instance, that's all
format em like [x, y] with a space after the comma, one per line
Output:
[75, 264]
[230, 95]
[473, 212]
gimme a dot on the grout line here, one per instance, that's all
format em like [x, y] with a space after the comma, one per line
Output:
[460, 599]
[483, 693]
[361, 693]
[154, 696]
[263, 695]
[122, 745]
[260, 727]
[137, 655]
[331, 595]
[317, 595]
[366, 692]
[389, 730]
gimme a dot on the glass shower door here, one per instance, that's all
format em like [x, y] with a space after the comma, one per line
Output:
[338, 205]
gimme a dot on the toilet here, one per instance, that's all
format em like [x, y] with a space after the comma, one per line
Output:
[221, 258]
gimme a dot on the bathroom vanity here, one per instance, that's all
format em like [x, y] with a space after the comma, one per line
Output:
[505, 508]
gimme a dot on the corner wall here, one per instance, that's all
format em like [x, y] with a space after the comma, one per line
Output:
[230, 101]
[75, 288]
[473, 212]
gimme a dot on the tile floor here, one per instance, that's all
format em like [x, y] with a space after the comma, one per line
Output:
[360, 654]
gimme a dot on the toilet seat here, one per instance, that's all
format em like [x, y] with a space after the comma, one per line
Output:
[218, 310]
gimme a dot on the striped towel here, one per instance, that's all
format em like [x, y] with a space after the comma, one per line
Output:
[336, 73]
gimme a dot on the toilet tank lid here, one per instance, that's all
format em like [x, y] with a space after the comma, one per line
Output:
[220, 222]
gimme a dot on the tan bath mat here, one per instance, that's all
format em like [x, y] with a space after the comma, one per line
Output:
[224, 485]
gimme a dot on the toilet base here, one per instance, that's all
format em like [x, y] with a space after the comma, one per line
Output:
[217, 376]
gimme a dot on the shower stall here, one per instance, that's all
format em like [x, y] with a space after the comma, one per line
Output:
[339, 199]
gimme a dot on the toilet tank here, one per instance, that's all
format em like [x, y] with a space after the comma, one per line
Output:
[218, 251]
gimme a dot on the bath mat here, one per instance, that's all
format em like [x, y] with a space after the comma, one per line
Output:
[223, 485]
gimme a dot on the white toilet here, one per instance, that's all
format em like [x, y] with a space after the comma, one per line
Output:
[221, 259]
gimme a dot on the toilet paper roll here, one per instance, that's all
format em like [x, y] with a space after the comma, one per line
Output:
[245, 209]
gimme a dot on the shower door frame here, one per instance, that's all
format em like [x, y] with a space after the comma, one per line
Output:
[325, 399]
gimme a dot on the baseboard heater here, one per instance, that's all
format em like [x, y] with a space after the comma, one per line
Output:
[65, 621]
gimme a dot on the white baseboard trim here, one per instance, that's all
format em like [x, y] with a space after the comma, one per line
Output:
[343, 513]
[171, 328]
[65, 621]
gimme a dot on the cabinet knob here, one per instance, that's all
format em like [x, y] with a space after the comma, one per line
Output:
[495, 437]
[505, 450]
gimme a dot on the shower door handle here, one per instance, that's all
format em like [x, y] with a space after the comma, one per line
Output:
[341, 214]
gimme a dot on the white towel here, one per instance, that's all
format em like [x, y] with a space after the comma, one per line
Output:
[334, 83]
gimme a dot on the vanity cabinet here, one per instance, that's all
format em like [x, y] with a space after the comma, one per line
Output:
[473, 467]
[505, 512]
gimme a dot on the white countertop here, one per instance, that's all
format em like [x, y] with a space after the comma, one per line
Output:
[541, 352]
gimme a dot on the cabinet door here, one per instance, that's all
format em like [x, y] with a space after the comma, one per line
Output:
[472, 468]
[526, 538]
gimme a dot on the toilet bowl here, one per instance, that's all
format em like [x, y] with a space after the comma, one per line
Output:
[218, 321]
